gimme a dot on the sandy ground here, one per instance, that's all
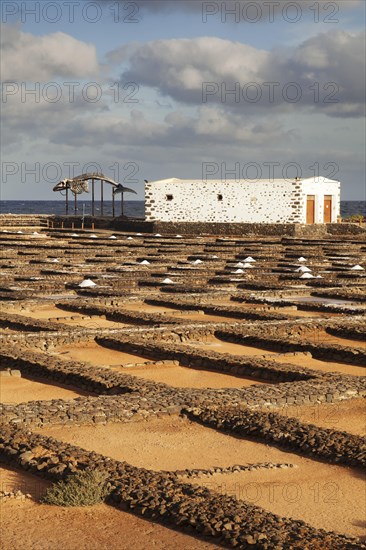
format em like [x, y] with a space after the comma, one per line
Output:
[28, 525]
[287, 310]
[184, 316]
[95, 354]
[21, 390]
[51, 312]
[98, 355]
[220, 346]
[219, 318]
[176, 376]
[324, 495]
[349, 416]
[322, 336]
[184, 377]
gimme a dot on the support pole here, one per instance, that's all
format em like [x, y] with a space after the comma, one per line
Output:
[101, 197]
[113, 211]
[75, 203]
[92, 197]
[67, 200]
[122, 204]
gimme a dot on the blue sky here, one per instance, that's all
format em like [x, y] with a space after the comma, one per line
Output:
[159, 125]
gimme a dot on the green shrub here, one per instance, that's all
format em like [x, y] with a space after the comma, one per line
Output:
[85, 488]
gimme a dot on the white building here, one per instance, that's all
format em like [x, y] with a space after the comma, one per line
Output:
[305, 201]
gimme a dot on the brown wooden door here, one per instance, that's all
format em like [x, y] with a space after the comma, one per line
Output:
[310, 209]
[327, 209]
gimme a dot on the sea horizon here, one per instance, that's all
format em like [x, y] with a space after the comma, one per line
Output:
[133, 208]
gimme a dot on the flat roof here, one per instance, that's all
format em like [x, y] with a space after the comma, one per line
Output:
[316, 179]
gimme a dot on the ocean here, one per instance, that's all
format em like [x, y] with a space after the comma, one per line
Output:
[133, 209]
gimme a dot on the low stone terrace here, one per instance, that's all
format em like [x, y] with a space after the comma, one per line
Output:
[223, 365]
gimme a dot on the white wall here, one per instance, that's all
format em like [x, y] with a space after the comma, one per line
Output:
[197, 201]
[279, 201]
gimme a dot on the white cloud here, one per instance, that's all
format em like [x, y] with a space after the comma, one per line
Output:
[26, 57]
[183, 68]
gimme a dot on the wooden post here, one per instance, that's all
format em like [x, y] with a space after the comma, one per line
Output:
[92, 197]
[113, 214]
[72, 225]
[62, 224]
[122, 203]
[75, 203]
[92, 226]
[67, 200]
[101, 197]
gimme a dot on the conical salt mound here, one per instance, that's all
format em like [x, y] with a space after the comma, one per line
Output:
[238, 271]
[168, 281]
[112, 237]
[357, 268]
[87, 283]
[301, 259]
[248, 266]
[302, 269]
[145, 262]
[307, 276]
[249, 259]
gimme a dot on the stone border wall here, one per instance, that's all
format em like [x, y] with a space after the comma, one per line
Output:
[319, 350]
[20, 322]
[229, 229]
[252, 367]
[158, 496]
[286, 433]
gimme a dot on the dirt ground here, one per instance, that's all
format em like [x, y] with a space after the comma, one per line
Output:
[219, 318]
[14, 389]
[95, 354]
[348, 416]
[184, 377]
[29, 525]
[56, 315]
[326, 496]
[220, 346]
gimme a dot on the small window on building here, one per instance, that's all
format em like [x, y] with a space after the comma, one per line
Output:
[219, 197]
[169, 197]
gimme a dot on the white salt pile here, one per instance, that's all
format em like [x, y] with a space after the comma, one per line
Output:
[87, 283]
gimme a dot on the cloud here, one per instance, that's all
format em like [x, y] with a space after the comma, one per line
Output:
[244, 9]
[210, 126]
[324, 73]
[27, 57]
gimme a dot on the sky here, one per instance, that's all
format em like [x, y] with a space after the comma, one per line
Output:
[154, 89]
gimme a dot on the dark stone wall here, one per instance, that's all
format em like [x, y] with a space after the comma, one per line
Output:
[193, 228]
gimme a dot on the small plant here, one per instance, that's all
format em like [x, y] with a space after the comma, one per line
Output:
[85, 488]
[355, 218]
